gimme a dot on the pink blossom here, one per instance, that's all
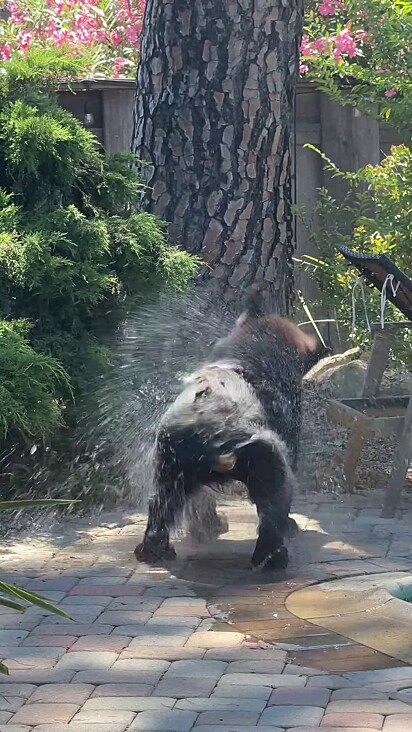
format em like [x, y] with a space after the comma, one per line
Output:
[112, 29]
[115, 37]
[5, 51]
[24, 40]
[345, 45]
[391, 92]
[330, 7]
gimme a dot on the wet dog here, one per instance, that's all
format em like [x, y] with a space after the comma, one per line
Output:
[237, 418]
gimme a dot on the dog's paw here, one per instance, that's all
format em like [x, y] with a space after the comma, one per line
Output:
[277, 559]
[153, 553]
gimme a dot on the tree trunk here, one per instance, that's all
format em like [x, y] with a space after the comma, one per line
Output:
[214, 122]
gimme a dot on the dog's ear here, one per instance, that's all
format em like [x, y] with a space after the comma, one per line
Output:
[253, 307]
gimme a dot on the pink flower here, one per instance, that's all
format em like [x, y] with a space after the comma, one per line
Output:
[115, 38]
[330, 7]
[24, 40]
[5, 51]
[303, 69]
[345, 45]
[391, 92]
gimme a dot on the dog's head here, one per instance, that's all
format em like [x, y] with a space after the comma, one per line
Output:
[254, 319]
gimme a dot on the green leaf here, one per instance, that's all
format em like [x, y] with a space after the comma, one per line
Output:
[4, 669]
[14, 605]
[33, 599]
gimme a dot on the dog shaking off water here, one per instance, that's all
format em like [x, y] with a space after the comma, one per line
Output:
[238, 418]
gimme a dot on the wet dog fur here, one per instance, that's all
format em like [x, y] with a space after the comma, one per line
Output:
[237, 418]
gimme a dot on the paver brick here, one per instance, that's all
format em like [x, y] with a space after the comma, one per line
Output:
[215, 639]
[43, 584]
[236, 728]
[242, 692]
[41, 676]
[80, 614]
[100, 579]
[245, 654]
[82, 727]
[403, 673]
[349, 719]
[166, 653]
[363, 692]
[122, 689]
[44, 713]
[168, 721]
[13, 689]
[167, 635]
[398, 723]
[376, 705]
[80, 600]
[129, 703]
[124, 617]
[115, 643]
[5, 716]
[141, 664]
[273, 680]
[17, 621]
[216, 704]
[228, 718]
[331, 681]
[95, 676]
[179, 687]
[253, 667]
[18, 728]
[72, 628]
[82, 660]
[333, 729]
[110, 590]
[42, 641]
[303, 697]
[24, 664]
[70, 693]
[12, 637]
[196, 669]
[291, 716]
[11, 703]
[104, 716]
[143, 604]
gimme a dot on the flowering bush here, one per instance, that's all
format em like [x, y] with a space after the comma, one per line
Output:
[360, 53]
[105, 32]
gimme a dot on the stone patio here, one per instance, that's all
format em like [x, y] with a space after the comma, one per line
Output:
[204, 644]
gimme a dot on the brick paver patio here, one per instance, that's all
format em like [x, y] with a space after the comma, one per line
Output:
[204, 644]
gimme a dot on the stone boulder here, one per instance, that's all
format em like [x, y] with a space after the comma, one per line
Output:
[342, 376]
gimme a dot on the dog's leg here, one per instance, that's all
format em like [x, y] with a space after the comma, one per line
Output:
[163, 510]
[165, 507]
[266, 479]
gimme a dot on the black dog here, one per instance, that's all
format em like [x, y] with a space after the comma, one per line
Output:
[238, 418]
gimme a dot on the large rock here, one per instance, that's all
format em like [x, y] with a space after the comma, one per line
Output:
[343, 376]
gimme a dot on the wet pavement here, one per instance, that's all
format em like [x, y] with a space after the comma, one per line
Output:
[204, 643]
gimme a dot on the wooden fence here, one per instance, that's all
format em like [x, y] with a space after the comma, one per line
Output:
[349, 139]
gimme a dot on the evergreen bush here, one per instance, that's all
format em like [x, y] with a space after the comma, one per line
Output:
[73, 248]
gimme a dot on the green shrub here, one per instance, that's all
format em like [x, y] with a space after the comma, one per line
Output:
[375, 218]
[73, 248]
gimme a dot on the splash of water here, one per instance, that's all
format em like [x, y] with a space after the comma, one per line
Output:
[157, 345]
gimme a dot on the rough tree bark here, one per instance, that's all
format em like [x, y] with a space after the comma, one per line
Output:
[214, 121]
